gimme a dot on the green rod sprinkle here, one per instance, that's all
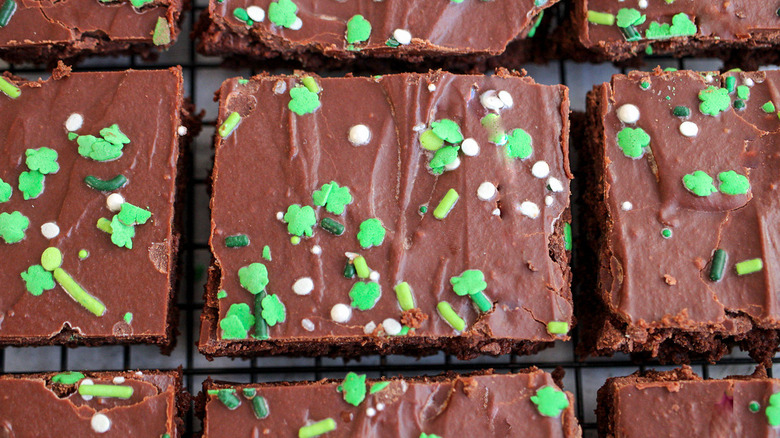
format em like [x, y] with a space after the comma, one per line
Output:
[259, 406]
[449, 315]
[229, 398]
[482, 301]
[229, 124]
[261, 327]
[311, 84]
[681, 111]
[110, 185]
[332, 226]
[349, 270]
[718, 265]
[558, 327]
[237, 241]
[604, 18]
[749, 266]
[361, 267]
[6, 12]
[567, 242]
[404, 294]
[446, 204]
[317, 428]
[78, 293]
[212, 392]
[104, 224]
[9, 89]
[114, 391]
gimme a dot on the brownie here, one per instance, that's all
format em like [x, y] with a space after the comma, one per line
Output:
[47, 31]
[680, 403]
[321, 34]
[529, 403]
[105, 404]
[683, 214]
[90, 178]
[343, 233]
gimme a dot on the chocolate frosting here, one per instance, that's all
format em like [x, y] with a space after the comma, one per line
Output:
[147, 107]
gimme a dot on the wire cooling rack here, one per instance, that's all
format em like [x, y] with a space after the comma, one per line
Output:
[202, 76]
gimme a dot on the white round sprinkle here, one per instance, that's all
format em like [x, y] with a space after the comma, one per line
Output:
[118, 380]
[391, 326]
[626, 206]
[297, 24]
[340, 313]
[74, 122]
[431, 87]
[454, 165]
[359, 135]
[749, 82]
[540, 169]
[496, 212]
[490, 100]
[643, 4]
[86, 382]
[373, 276]
[100, 423]
[628, 113]
[307, 324]
[708, 78]
[370, 412]
[280, 87]
[420, 127]
[182, 131]
[689, 129]
[114, 202]
[256, 13]
[529, 209]
[280, 216]
[316, 250]
[506, 98]
[486, 191]
[380, 406]
[303, 286]
[548, 200]
[402, 36]
[50, 230]
[469, 147]
[139, 373]
[554, 184]
[369, 328]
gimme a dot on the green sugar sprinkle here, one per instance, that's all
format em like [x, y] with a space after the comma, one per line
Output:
[731, 84]
[449, 315]
[423, 209]
[666, 233]
[7, 11]
[353, 388]
[128, 317]
[162, 32]
[249, 392]
[227, 127]
[253, 277]
[267, 253]
[446, 204]
[699, 183]
[300, 220]
[630, 17]
[43, 160]
[365, 295]
[303, 101]
[378, 386]
[92, 304]
[558, 327]
[732, 183]
[681, 111]
[109, 185]
[332, 197]
[5, 191]
[358, 29]
[361, 267]
[633, 142]
[112, 391]
[67, 378]
[404, 294]
[13, 226]
[567, 242]
[470, 282]
[644, 84]
[237, 241]
[36, 280]
[371, 233]
[273, 311]
[714, 100]
[229, 398]
[237, 322]
[131, 215]
[718, 265]
[331, 226]
[221, 294]
[259, 407]
[9, 89]
[603, 18]
[317, 429]
[773, 410]
[769, 107]
[518, 144]
[749, 266]
[31, 184]
[51, 259]
[283, 13]
[754, 406]
[743, 92]
[481, 300]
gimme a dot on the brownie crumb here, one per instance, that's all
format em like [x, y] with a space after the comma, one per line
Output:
[671, 281]
[413, 318]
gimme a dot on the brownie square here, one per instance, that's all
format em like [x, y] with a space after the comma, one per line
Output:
[106, 404]
[684, 203]
[529, 403]
[89, 202]
[335, 232]
[680, 403]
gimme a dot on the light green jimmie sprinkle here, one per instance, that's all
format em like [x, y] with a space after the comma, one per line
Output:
[749, 266]
[67, 378]
[229, 124]
[361, 267]
[378, 386]
[449, 315]
[317, 428]
[604, 18]
[51, 259]
[78, 293]
[404, 294]
[558, 327]
[446, 204]
[9, 89]
[104, 224]
[482, 301]
[113, 391]
[311, 84]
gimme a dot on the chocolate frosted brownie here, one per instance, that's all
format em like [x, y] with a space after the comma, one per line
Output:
[321, 33]
[47, 31]
[89, 178]
[530, 403]
[685, 200]
[397, 214]
[105, 404]
[680, 403]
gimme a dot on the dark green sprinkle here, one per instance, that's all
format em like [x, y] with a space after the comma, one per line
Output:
[67, 378]
[482, 301]
[423, 209]
[240, 13]
[249, 392]
[739, 104]
[260, 407]
[6, 12]
[631, 33]
[165, 435]
[237, 241]
[567, 242]
[731, 84]
[392, 42]
[718, 265]
[681, 111]
[754, 406]
[649, 50]
[110, 185]
[332, 226]
[349, 270]
[666, 233]
[229, 398]
[261, 327]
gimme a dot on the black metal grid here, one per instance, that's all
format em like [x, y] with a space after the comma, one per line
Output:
[582, 377]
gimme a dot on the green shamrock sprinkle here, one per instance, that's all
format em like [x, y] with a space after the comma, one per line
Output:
[44, 160]
[429, 435]
[658, 31]
[139, 3]
[549, 401]
[303, 101]
[732, 183]
[371, 233]
[253, 278]
[518, 144]
[132, 215]
[332, 197]
[67, 378]
[31, 184]
[273, 310]
[365, 295]
[443, 157]
[743, 92]
[773, 410]
[630, 17]
[113, 135]
[714, 100]
[682, 25]
[237, 322]
[633, 142]
[469, 282]
[447, 130]
[354, 388]
[358, 29]
[221, 294]
[5, 191]
[12, 226]
[378, 386]
[699, 183]
[282, 13]
[98, 149]
[37, 280]
[121, 234]
[300, 220]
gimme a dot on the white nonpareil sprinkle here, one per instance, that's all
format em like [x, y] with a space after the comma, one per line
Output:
[114, 202]
[431, 87]
[554, 184]
[370, 412]
[689, 129]
[749, 82]
[86, 382]
[402, 36]
[280, 216]
[340, 312]
[496, 212]
[506, 98]
[643, 4]
[297, 24]
[316, 250]
[373, 276]
[453, 165]
[74, 122]
[486, 191]
[469, 147]
[380, 406]
[369, 328]
[709, 77]
[359, 135]
[100, 423]
[303, 286]
[280, 87]
[628, 113]
[490, 100]
[391, 326]
[256, 13]
[118, 380]
[182, 131]
[529, 209]
[50, 230]
[626, 206]
[420, 127]
[307, 324]
[548, 200]
[540, 169]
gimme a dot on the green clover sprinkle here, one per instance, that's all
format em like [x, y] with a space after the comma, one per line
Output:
[273, 310]
[113, 135]
[138, 3]
[12, 226]
[128, 317]
[44, 160]
[221, 294]
[354, 388]
[633, 142]
[332, 197]
[378, 386]
[132, 215]
[732, 183]
[469, 282]
[773, 410]
[37, 280]
[237, 322]
[630, 17]
[447, 130]
[253, 278]
[743, 92]
[365, 295]
[371, 233]
[518, 144]
[67, 378]
[443, 157]
[31, 184]
[300, 220]
[121, 234]
[303, 101]
[98, 149]
[699, 183]
[550, 402]
[429, 435]
[282, 13]
[714, 100]
[5, 191]
[358, 29]
[682, 26]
